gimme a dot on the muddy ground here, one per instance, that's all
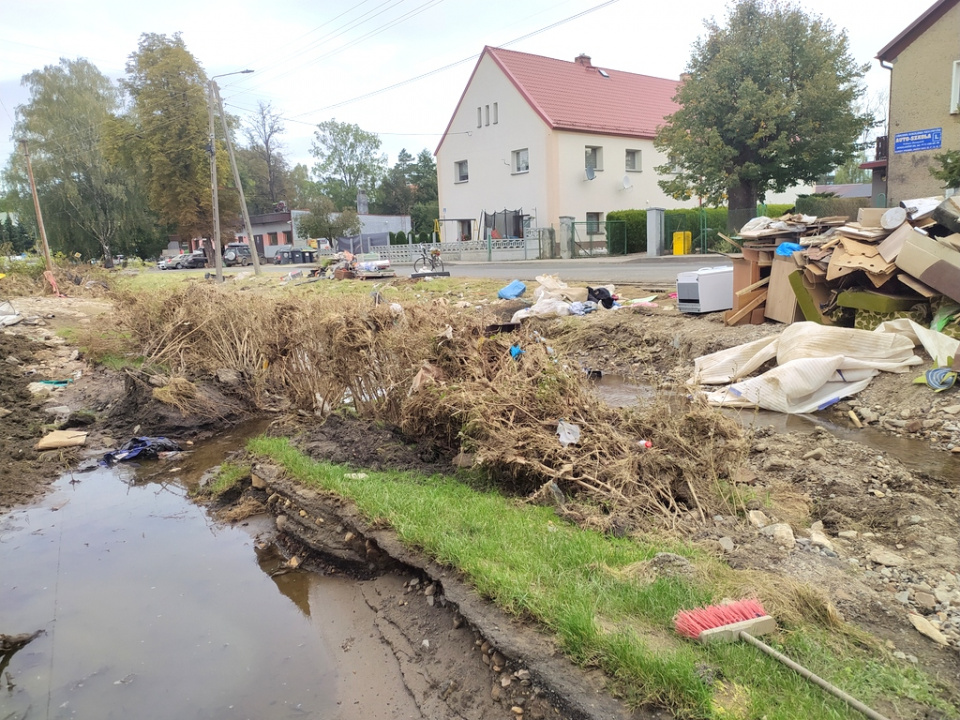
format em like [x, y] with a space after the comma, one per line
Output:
[873, 514]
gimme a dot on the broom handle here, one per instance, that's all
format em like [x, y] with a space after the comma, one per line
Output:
[833, 690]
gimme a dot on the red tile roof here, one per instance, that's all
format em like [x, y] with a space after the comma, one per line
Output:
[580, 97]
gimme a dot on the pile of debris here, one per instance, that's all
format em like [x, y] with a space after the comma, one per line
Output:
[901, 262]
[347, 266]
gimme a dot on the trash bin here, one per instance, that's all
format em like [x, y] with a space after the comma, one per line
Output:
[296, 256]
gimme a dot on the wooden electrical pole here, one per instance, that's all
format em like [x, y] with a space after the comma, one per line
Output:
[36, 205]
[236, 179]
[217, 255]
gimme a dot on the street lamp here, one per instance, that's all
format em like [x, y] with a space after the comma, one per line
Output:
[213, 93]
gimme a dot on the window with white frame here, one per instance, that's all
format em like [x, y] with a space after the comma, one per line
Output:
[955, 89]
[461, 171]
[594, 223]
[632, 161]
[593, 157]
[496, 113]
[521, 161]
[465, 229]
[479, 116]
[486, 114]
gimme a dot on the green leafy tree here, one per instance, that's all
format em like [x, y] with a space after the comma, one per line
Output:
[324, 221]
[303, 190]
[423, 176]
[768, 101]
[87, 196]
[170, 139]
[348, 160]
[948, 171]
[395, 195]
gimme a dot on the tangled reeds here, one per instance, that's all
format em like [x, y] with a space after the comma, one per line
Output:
[432, 371]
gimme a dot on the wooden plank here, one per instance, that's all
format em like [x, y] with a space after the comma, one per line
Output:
[922, 288]
[732, 242]
[756, 286]
[781, 300]
[733, 317]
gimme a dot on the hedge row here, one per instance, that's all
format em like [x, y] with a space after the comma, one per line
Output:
[627, 229]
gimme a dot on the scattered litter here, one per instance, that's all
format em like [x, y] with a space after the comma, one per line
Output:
[8, 314]
[356, 476]
[142, 448]
[568, 433]
[938, 379]
[516, 351]
[512, 291]
[61, 439]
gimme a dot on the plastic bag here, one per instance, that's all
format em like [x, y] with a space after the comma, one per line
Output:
[568, 433]
[512, 291]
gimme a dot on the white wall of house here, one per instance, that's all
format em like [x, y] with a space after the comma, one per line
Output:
[554, 185]
[493, 184]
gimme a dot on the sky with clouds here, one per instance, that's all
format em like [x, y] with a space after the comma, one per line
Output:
[393, 67]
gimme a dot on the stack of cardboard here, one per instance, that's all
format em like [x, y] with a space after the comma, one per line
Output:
[896, 262]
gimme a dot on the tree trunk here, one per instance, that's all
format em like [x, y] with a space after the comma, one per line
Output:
[742, 205]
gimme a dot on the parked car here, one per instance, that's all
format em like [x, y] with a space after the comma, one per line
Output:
[238, 254]
[196, 259]
[169, 263]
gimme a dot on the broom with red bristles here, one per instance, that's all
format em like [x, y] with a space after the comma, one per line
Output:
[741, 620]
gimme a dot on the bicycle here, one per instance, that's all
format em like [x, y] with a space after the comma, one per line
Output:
[428, 261]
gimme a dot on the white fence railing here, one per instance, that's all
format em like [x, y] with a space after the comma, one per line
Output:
[467, 250]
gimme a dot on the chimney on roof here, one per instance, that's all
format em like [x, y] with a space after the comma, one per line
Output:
[584, 60]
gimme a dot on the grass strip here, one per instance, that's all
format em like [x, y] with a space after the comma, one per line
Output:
[573, 583]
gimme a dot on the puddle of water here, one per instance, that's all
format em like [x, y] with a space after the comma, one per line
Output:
[152, 610]
[916, 455]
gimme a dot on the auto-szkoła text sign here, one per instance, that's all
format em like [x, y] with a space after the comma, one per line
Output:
[918, 140]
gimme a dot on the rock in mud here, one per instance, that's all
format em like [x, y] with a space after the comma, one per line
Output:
[924, 627]
[758, 519]
[885, 558]
[782, 534]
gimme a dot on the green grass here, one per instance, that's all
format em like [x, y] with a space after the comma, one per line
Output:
[569, 580]
[226, 478]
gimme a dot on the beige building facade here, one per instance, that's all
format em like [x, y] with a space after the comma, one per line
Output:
[924, 64]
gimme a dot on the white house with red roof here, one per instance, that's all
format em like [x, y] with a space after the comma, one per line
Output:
[553, 138]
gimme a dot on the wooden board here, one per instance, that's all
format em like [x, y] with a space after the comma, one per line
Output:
[891, 246]
[733, 317]
[781, 300]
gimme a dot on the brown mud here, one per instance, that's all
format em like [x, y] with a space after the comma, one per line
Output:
[886, 546]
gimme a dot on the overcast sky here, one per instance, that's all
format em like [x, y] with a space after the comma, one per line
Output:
[379, 63]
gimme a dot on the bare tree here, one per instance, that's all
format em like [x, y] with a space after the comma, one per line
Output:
[262, 131]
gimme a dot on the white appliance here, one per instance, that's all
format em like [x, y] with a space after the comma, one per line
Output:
[705, 290]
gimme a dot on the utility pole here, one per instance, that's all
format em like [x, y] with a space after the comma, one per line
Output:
[236, 179]
[36, 205]
[211, 95]
[217, 256]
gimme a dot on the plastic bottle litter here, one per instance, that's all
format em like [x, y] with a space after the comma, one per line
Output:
[645, 444]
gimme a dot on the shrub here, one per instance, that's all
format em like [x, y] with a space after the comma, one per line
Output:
[399, 239]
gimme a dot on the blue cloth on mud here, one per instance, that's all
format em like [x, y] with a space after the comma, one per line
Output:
[143, 448]
[788, 248]
[512, 291]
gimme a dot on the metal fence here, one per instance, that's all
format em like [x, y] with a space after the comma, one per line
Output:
[466, 250]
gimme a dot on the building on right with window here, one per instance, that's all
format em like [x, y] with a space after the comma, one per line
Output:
[924, 116]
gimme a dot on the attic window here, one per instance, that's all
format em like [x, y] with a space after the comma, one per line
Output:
[603, 73]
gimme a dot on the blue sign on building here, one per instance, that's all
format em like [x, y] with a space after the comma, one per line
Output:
[918, 140]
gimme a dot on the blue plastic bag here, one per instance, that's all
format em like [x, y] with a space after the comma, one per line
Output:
[788, 248]
[512, 291]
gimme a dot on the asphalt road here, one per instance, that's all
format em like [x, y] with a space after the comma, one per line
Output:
[629, 270]
[633, 269]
